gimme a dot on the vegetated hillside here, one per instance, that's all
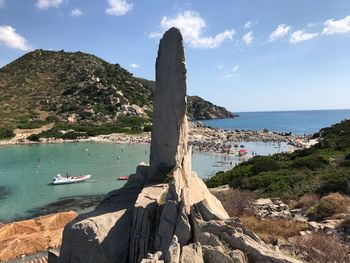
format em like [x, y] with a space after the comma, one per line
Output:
[66, 85]
[75, 90]
[322, 169]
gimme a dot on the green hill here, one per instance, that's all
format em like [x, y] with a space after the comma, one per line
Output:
[76, 91]
[324, 168]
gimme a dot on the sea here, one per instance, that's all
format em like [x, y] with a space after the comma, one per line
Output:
[297, 122]
[26, 171]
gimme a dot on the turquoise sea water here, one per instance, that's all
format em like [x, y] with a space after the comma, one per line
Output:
[26, 172]
[298, 122]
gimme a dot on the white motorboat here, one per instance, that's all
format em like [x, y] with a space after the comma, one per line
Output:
[59, 179]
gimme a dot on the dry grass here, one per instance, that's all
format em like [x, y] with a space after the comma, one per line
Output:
[270, 230]
[328, 206]
[307, 200]
[322, 248]
[236, 202]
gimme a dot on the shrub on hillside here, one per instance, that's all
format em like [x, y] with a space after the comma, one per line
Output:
[6, 133]
[147, 128]
[328, 206]
[265, 165]
[307, 200]
[34, 138]
[322, 248]
[33, 124]
[235, 201]
[312, 162]
[335, 180]
[347, 157]
[270, 230]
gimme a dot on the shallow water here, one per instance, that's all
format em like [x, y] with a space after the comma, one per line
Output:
[26, 172]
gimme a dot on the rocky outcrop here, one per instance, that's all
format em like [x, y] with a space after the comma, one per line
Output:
[200, 109]
[30, 236]
[164, 213]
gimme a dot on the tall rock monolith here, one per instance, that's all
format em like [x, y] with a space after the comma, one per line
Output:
[169, 132]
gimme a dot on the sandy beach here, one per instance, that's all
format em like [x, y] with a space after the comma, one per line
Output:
[205, 139]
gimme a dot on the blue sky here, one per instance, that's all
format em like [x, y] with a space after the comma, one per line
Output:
[246, 55]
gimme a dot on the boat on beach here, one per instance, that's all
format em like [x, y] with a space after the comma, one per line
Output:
[59, 179]
[123, 178]
[242, 152]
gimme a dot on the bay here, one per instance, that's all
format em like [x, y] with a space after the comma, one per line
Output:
[26, 172]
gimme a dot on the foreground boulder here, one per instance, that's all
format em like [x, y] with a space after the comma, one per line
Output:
[164, 213]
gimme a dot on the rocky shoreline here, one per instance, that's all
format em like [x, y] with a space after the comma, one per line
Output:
[204, 139]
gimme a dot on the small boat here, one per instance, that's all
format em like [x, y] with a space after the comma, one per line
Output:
[59, 179]
[242, 152]
[123, 178]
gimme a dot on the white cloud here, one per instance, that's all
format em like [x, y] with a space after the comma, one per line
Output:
[10, 38]
[191, 25]
[300, 36]
[235, 68]
[2, 3]
[76, 12]
[248, 38]
[46, 4]
[341, 26]
[248, 25]
[118, 7]
[280, 32]
[134, 66]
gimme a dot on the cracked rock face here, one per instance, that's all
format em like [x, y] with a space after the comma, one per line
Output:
[165, 212]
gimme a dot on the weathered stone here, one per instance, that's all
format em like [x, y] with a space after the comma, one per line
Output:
[143, 222]
[153, 258]
[238, 256]
[53, 256]
[209, 239]
[101, 235]
[183, 227]
[166, 226]
[173, 254]
[256, 252]
[192, 253]
[169, 132]
[217, 254]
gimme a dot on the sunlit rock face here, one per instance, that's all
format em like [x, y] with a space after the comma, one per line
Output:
[169, 133]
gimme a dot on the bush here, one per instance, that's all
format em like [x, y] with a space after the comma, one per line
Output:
[312, 162]
[270, 230]
[347, 157]
[328, 206]
[334, 181]
[147, 128]
[6, 133]
[34, 138]
[322, 248]
[34, 124]
[307, 200]
[235, 201]
[265, 165]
